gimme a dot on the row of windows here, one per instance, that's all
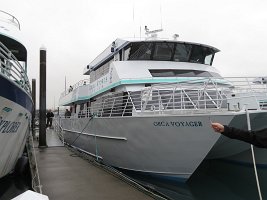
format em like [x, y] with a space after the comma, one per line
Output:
[101, 71]
[171, 51]
[181, 73]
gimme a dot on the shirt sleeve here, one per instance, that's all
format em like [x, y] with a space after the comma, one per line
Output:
[257, 138]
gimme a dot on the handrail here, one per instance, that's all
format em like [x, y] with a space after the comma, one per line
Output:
[203, 95]
[13, 19]
[75, 86]
[12, 69]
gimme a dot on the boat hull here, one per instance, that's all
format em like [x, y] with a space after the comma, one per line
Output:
[169, 146]
[15, 107]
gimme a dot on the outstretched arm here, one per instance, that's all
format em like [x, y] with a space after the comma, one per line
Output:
[257, 138]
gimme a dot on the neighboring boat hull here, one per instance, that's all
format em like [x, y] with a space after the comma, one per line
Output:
[163, 145]
[15, 106]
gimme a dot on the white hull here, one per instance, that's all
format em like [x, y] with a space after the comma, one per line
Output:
[14, 127]
[164, 145]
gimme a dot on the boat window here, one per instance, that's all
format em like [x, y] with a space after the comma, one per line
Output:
[169, 51]
[182, 52]
[163, 51]
[202, 55]
[141, 51]
[181, 73]
[100, 71]
[208, 59]
[92, 76]
[126, 53]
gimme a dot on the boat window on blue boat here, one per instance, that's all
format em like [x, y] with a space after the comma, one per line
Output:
[181, 73]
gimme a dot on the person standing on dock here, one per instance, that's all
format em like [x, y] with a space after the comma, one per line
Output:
[67, 114]
[49, 118]
[257, 138]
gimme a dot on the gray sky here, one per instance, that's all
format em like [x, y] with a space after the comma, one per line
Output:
[75, 32]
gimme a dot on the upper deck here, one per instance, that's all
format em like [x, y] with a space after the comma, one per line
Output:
[11, 36]
[155, 49]
[9, 19]
[13, 53]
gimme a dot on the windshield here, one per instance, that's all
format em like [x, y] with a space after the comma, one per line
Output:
[171, 51]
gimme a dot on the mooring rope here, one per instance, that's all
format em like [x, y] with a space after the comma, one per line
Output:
[253, 158]
[82, 130]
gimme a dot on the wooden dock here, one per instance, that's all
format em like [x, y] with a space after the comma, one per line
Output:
[64, 175]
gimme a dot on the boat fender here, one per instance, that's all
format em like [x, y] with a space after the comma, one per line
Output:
[21, 166]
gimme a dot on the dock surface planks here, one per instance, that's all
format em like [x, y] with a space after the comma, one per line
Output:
[64, 175]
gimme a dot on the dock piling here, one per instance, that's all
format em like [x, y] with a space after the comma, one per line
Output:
[34, 105]
[42, 111]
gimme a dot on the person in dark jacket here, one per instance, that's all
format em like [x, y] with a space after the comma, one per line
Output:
[67, 114]
[49, 118]
[257, 138]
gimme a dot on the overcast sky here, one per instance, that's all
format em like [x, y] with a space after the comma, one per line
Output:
[75, 32]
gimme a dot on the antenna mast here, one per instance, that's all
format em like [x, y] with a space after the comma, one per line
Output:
[133, 19]
[152, 34]
[160, 16]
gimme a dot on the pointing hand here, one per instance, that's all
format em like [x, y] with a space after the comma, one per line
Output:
[217, 127]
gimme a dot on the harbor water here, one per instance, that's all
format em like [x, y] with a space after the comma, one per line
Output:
[12, 186]
[214, 179]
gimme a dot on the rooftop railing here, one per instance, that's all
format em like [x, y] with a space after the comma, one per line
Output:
[10, 19]
[74, 87]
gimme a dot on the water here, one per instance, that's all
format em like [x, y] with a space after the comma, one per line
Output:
[214, 179]
[12, 186]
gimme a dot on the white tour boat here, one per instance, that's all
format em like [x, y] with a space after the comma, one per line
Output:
[15, 97]
[148, 104]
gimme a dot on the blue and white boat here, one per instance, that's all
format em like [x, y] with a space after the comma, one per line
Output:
[15, 95]
[148, 104]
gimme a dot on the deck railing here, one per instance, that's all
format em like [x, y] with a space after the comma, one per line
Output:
[11, 68]
[10, 19]
[196, 96]
[74, 87]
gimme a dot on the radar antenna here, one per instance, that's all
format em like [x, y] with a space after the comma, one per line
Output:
[153, 33]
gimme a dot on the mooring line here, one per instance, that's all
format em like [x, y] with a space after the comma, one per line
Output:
[253, 158]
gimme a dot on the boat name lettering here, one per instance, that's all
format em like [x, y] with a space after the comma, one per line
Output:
[179, 124]
[8, 126]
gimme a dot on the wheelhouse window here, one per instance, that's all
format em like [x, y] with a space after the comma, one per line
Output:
[170, 51]
[141, 51]
[163, 51]
[182, 52]
[201, 55]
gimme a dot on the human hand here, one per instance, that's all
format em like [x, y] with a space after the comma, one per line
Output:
[217, 127]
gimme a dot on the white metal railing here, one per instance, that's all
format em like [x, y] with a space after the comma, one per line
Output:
[11, 68]
[198, 95]
[58, 129]
[10, 19]
[75, 86]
